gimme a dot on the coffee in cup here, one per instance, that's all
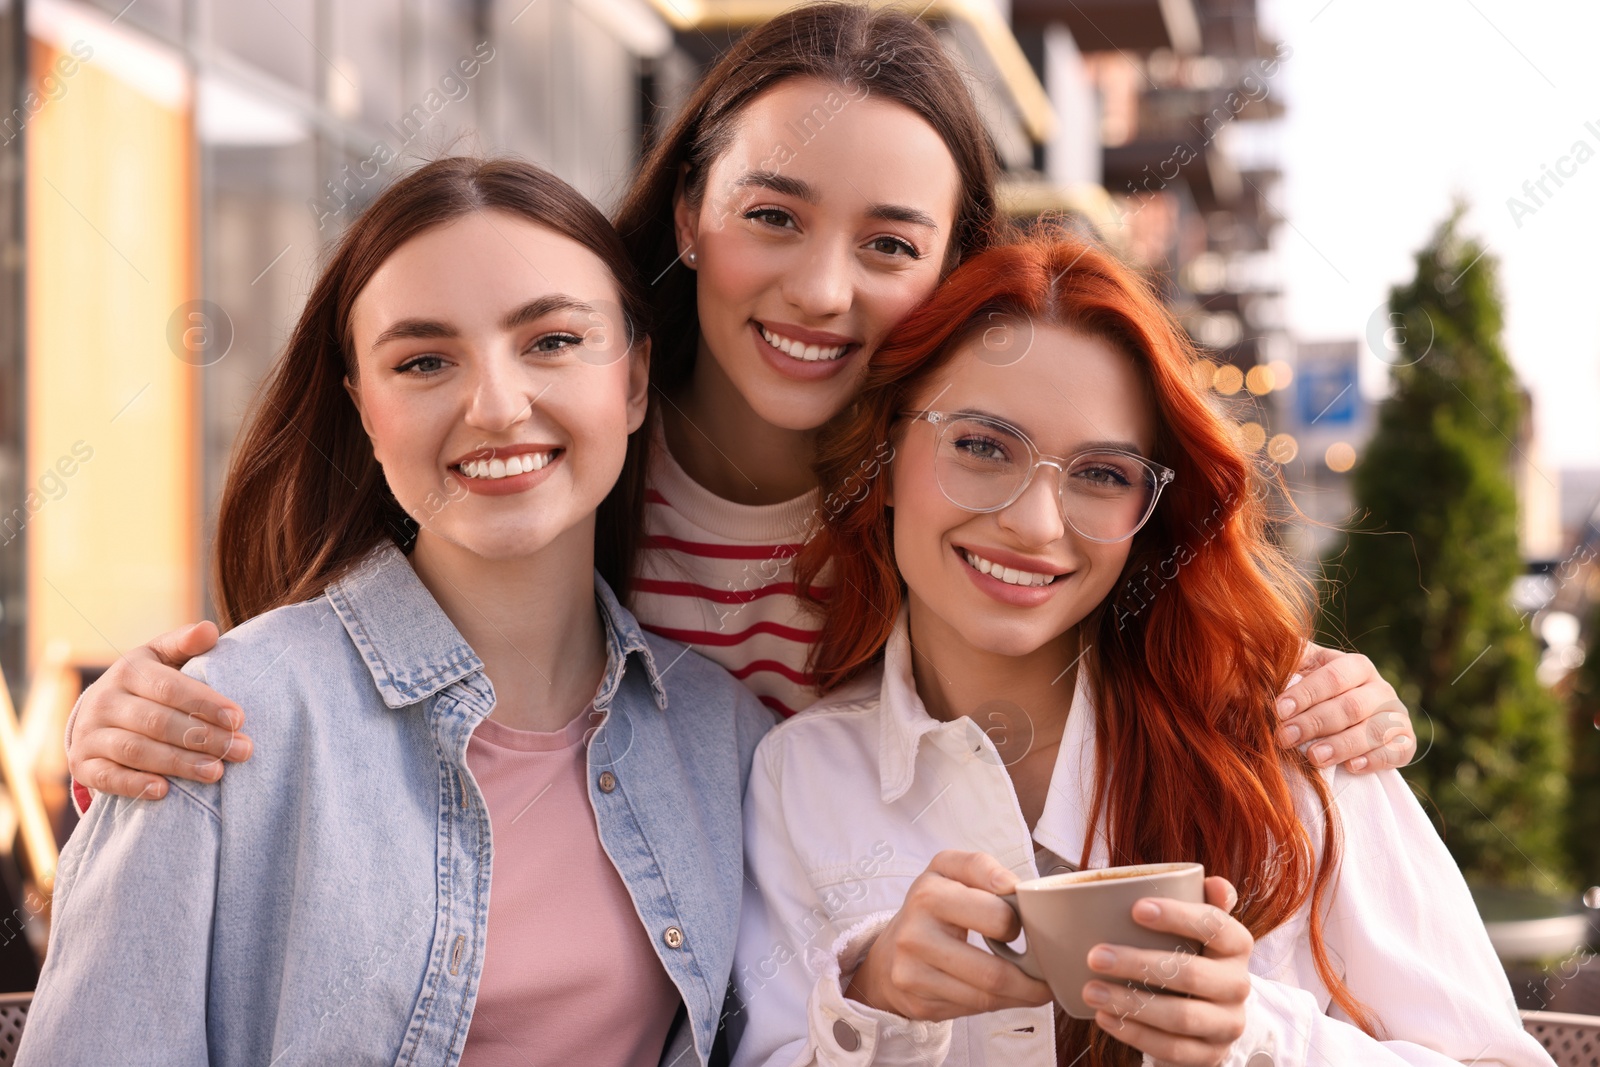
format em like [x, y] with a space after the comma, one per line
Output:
[1065, 915]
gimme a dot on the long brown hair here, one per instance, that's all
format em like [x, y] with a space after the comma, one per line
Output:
[1186, 657]
[888, 52]
[305, 499]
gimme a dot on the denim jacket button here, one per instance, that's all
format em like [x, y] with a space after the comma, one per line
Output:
[608, 781]
[673, 937]
[846, 1035]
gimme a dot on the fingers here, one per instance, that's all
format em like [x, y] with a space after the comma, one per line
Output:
[1220, 933]
[959, 906]
[103, 776]
[1143, 1031]
[177, 647]
[922, 967]
[926, 993]
[1381, 739]
[1315, 656]
[1220, 893]
[1396, 753]
[1339, 673]
[1192, 1029]
[135, 752]
[161, 684]
[976, 869]
[189, 731]
[956, 973]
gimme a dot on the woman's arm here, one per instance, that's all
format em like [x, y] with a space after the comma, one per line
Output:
[144, 718]
[1405, 932]
[125, 980]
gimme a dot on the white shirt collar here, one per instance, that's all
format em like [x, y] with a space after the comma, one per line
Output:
[904, 719]
[904, 722]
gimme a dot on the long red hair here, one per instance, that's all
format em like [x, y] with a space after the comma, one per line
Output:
[1189, 653]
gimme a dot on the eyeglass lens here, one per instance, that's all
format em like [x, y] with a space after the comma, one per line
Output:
[984, 466]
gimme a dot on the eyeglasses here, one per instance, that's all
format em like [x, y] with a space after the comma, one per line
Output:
[984, 465]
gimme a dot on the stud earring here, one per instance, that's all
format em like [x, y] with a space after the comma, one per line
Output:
[690, 257]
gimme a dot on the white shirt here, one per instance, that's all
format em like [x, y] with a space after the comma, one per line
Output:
[850, 800]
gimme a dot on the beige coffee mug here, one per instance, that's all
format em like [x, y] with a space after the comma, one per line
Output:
[1066, 915]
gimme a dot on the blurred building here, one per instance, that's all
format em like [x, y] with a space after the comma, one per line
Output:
[174, 170]
[1166, 146]
[1329, 420]
[1580, 497]
[1538, 486]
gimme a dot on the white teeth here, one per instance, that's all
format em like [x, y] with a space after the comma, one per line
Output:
[1009, 575]
[809, 353]
[508, 467]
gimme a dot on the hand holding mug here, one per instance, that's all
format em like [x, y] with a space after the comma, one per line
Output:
[1196, 1030]
[921, 966]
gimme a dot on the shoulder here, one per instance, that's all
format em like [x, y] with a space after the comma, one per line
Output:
[682, 669]
[299, 648]
[1359, 802]
[695, 686]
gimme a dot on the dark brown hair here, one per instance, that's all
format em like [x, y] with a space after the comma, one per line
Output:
[888, 52]
[305, 498]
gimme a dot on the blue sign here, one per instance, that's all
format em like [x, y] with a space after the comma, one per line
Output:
[1327, 395]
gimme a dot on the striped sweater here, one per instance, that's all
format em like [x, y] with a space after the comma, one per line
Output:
[718, 576]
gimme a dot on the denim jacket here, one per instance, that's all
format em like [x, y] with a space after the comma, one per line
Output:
[327, 901]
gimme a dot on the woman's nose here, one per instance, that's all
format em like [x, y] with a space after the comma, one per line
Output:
[500, 397]
[1034, 518]
[824, 285]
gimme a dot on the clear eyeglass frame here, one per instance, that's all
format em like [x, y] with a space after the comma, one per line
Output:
[1160, 476]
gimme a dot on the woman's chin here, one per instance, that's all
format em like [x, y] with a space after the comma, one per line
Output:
[498, 546]
[1014, 640]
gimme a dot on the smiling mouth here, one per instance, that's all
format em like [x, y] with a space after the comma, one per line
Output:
[1009, 575]
[493, 469]
[804, 352]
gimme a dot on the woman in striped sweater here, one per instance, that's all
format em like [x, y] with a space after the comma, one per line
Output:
[819, 184]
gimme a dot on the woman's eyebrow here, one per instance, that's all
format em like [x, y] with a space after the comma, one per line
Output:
[532, 311]
[1081, 446]
[409, 329]
[901, 213]
[804, 192]
[1110, 446]
[537, 309]
[778, 183]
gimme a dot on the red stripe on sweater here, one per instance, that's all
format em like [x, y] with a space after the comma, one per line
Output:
[778, 706]
[706, 592]
[797, 677]
[715, 551]
[724, 640]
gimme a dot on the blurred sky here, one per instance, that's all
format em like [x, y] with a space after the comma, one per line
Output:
[1394, 105]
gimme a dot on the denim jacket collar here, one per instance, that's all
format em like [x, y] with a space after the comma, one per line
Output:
[413, 650]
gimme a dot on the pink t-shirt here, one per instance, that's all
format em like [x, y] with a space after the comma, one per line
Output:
[569, 974]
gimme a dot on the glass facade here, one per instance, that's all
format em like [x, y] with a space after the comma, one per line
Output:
[13, 532]
[267, 125]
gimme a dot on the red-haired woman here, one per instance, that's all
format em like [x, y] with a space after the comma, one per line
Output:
[782, 244]
[1056, 638]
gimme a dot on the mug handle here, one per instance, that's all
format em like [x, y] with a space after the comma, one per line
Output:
[1023, 960]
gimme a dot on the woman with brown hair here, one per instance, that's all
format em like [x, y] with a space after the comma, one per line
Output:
[824, 177]
[482, 793]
